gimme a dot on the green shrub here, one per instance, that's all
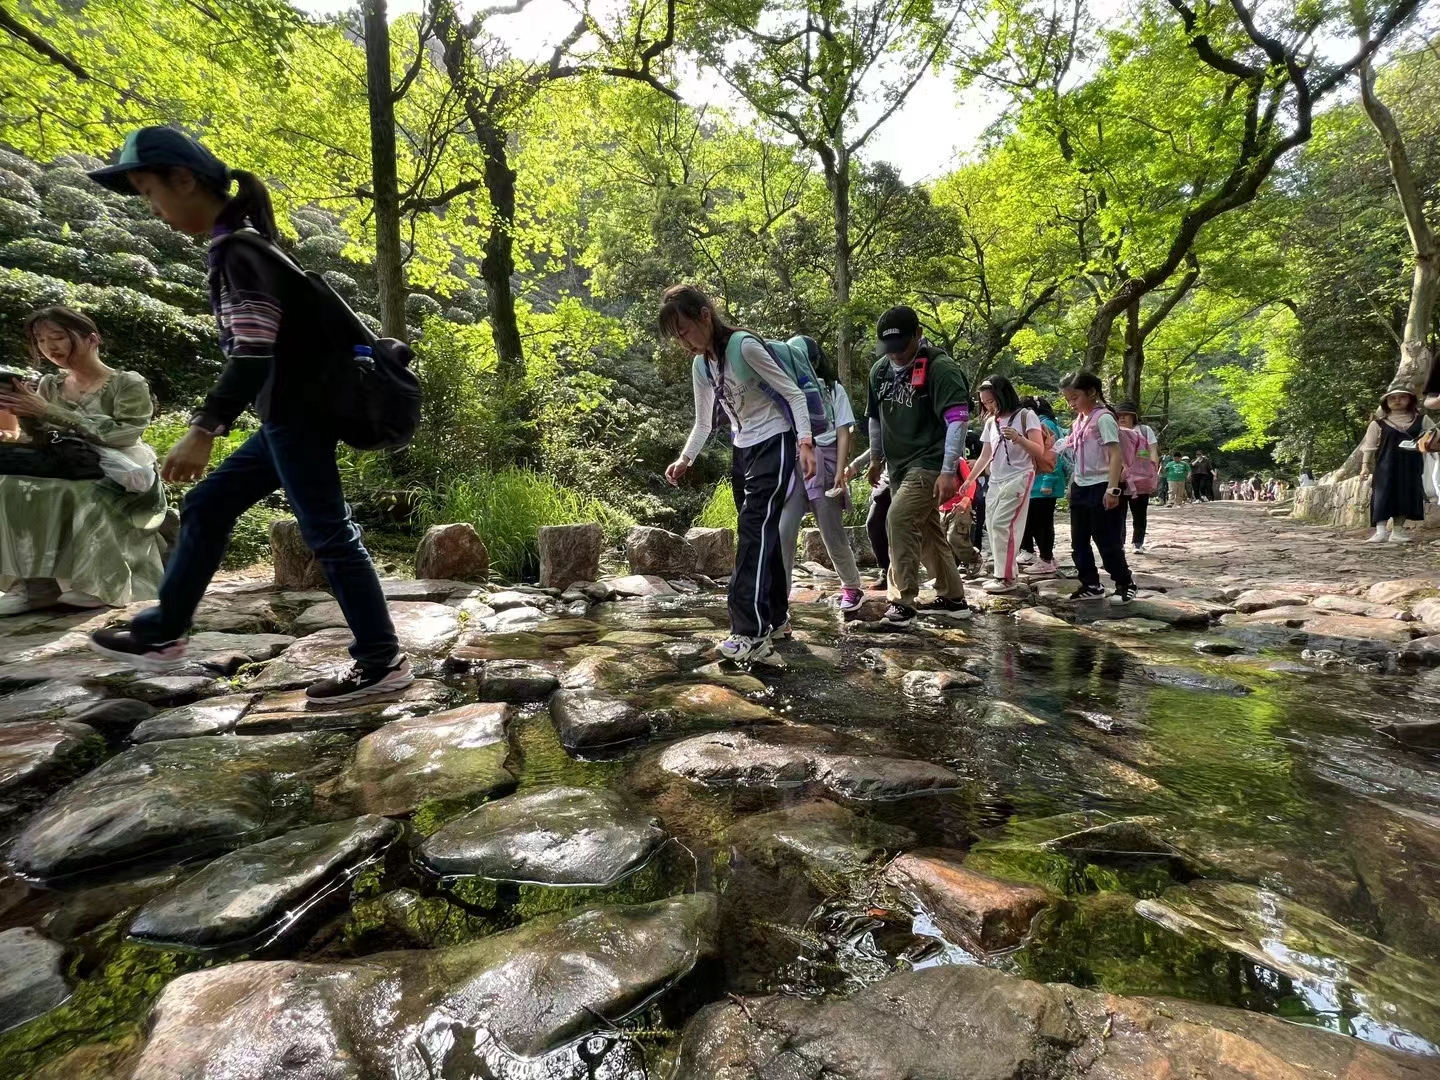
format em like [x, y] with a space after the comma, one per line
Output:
[19, 164]
[73, 207]
[169, 242]
[16, 188]
[508, 507]
[18, 220]
[320, 252]
[419, 307]
[719, 511]
[44, 257]
[250, 542]
[66, 176]
[122, 267]
[115, 240]
[342, 283]
[184, 275]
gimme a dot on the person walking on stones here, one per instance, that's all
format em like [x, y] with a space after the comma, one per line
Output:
[1097, 508]
[733, 367]
[1390, 456]
[1146, 450]
[832, 449]
[1202, 478]
[1014, 442]
[1045, 493]
[919, 406]
[270, 336]
[1177, 473]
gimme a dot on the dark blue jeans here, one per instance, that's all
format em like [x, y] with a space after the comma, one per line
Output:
[303, 463]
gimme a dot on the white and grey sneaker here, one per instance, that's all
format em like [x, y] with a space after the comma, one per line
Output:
[356, 683]
[739, 649]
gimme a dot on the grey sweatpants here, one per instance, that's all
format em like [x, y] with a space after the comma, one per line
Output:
[829, 517]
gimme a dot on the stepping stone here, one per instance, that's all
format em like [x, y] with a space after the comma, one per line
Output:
[636, 585]
[229, 652]
[424, 628]
[1252, 600]
[528, 992]
[634, 638]
[509, 599]
[312, 658]
[31, 751]
[22, 648]
[973, 909]
[457, 754]
[87, 668]
[706, 702]
[558, 836]
[246, 893]
[1402, 591]
[817, 832]
[31, 982]
[1190, 679]
[173, 689]
[434, 590]
[52, 700]
[1041, 619]
[516, 681]
[799, 755]
[965, 1021]
[588, 719]
[180, 795]
[214, 716]
[291, 711]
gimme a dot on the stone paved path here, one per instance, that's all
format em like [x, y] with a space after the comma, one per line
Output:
[579, 849]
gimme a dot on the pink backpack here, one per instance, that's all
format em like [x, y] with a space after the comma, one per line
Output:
[1141, 473]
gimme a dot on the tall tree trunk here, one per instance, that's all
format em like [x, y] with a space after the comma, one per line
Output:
[389, 264]
[498, 265]
[840, 195]
[1134, 362]
[1097, 337]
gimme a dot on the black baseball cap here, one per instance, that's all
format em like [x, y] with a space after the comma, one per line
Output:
[160, 147]
[897, 328]
[1125, 407]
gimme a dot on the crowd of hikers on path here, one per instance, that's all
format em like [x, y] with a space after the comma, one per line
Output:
[82, 497]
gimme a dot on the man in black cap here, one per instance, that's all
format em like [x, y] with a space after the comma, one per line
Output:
[919, 409]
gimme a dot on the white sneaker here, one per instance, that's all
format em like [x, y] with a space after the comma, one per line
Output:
[1040, 568]
[1382, 534]
[740, 649]
[996, 586]
[1398, 537]
[16, 601]
[1139, 549]
[75, 598]
[1024, 558]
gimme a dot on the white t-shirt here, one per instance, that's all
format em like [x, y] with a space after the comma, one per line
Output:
[754, 415]
[844, 415]
[1085, 447]
[1010, 461]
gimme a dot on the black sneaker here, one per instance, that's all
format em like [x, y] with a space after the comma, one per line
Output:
[1125, 595]
[899, 616]
[357, 684]
[119, 644]
[941, 607]
[1089, 592]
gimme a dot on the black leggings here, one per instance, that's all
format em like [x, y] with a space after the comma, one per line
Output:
[67, 460]
[875, 526]
[1140, 515]
[1040, 527]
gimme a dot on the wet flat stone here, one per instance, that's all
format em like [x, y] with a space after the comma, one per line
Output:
[467, 1010]
[1190, 679]
[937, 687]
[245, 893]
[291, 710]
[984, 913]
[177, 795]
[423, 627]
[312, 658]
[516, 681]
[50, 701]
[817, 831]
[23, 647]
[69, 669]
[1353, 605]
[34, 750]
[1040, 619]
[1424, 734]
[165, 690]
[557, 836]
[965, 1022]
[427, 589]
[214, 716]
[456, 754]
[1252, 600]
[1403, 590]
[31, 982]
[636, 585]
[587, 719]
[797, 755]
[718, 704]
[509, 598]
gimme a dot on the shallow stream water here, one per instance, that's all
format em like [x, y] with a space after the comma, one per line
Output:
[1260, 770]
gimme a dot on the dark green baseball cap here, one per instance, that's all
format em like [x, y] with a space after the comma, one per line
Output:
[161, 147]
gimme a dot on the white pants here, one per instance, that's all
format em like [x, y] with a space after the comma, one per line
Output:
[1007, 504]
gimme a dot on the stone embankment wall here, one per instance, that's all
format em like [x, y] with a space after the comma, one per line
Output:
[1345, 505]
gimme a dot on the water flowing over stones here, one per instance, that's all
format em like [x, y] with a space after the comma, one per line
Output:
[586, 718]
[244, 893]
[520, 994]
[558, 836]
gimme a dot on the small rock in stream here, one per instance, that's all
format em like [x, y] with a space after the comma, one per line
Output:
[588, 719]
[973, 909]
[31, 982]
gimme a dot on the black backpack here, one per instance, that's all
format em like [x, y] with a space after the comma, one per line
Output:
[372, 402]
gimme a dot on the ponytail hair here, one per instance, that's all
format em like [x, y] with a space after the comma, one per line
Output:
[250, 204]
[1085, 382]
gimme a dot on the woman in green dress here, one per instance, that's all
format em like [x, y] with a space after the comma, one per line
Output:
[81, 502]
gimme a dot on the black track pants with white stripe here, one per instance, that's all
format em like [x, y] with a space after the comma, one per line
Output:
[760, 478]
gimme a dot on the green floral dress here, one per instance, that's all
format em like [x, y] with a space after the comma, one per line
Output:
[92, 535]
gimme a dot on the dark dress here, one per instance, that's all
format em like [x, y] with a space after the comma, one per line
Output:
[1398, 489]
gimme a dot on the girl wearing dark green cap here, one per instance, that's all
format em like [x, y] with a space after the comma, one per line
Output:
[271, 337]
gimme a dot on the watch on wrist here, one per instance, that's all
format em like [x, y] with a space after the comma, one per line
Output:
[1113, 491]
